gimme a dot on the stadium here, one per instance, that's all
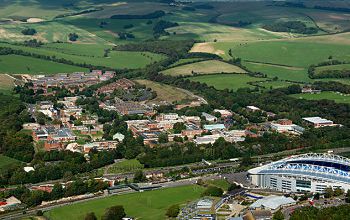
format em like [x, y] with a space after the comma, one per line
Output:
[303, 173]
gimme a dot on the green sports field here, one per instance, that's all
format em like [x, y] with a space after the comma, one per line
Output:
[149, 205]
[16, 64]
[226, 81]
[203, 67]
[335, 96]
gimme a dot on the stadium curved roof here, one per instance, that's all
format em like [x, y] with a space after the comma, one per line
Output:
[320, 166]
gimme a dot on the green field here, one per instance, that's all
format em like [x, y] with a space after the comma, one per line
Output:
[185, 61]
[149, 205]
[203, 67]
[282, 72]
[7, 161]
[226, 81]
[125, 166]
[332, 67]
[335, 96]
[274, 84]
[16, 64]
[6, 83]
[166, 93]
[79, 54]
[221, 183]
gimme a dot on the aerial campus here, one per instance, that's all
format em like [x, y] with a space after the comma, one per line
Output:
[171, 109]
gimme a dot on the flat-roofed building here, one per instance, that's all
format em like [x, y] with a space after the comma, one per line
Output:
[318, 122]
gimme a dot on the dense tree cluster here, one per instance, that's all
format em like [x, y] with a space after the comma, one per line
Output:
[73, 36]
[152, 15]
[34, 198]
[29, 31]
[125, 35]
[291, 26]
[160, 26]
[13, 142]
[330, 213]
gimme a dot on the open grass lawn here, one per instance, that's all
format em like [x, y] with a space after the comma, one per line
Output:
[221, 183]
[125, 166]
[332, 67]
[116, 59]
[291, 53]
[203, 67]
[282, 72]
[226, 81]
[7, 161]
[149, 205]
[6, 83]
[165, 92]
[17, 64]
[274, 84]
[335, 96]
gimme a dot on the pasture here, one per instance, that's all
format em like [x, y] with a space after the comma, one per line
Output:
[148, 205]
[6, 83]
[5, 162]
[125, 166]
[227, 81]
[282, 72]
[16, 64]
[203, 67]
[332, 67]
[77, 54]
[273, 84]
[335, 96]
[166, 93]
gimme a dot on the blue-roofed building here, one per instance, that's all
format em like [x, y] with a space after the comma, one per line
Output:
[304, 173]
[214, 127]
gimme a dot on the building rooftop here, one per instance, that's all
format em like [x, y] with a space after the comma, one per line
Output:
[318, 120]
[272, 202]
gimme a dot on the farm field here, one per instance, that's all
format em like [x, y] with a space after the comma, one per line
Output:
[165, 92]
[6, 83]
[7, 161]
[125, 166]
[289, 53]
[274, 84]
[149, 205]
[16, 64]
[185, 61]
[282, 72]
[227, 81]
[332, 67]
[115, 59]
[203, 67]
[337, 97]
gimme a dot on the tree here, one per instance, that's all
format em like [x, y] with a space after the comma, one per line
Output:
[114, 213]
[73, 36]
[178, 127]
[163, 138]
[213, 191]
[39, 213]
[139, 176]
[90, 216]
[328, 192]
[338, 192]
[173, 211]
[347, 196]
[29, 31]
[278, 215]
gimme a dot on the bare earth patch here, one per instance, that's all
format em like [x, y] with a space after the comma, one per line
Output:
[206, 48]
[34, 20]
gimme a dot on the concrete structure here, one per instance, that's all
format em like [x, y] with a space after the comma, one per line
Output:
[209, 117]
[304, 173]
[318, 122]
[214, 127]
[272, 202]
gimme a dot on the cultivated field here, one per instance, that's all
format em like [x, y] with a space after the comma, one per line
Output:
[149, 205]
[28, 65]
[226, 81]
[203, 67]
[165, 92]
[335, 96]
